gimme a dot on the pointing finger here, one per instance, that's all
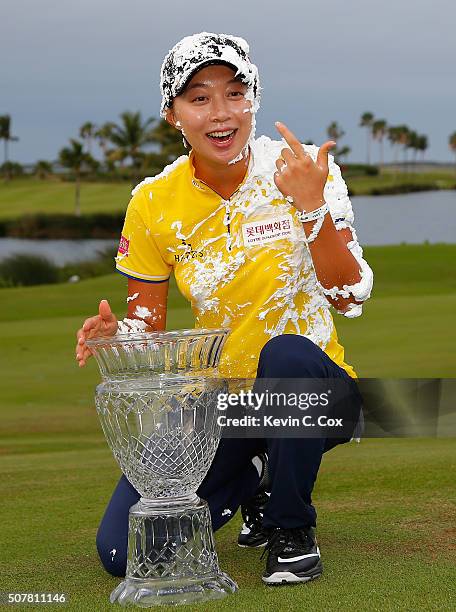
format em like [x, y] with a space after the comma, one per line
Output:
[290, 139]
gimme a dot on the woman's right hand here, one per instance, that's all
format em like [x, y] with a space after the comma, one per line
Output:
[103, 324]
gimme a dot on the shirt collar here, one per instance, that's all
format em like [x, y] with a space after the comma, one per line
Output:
[200, 186]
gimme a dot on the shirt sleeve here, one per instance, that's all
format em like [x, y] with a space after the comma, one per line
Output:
[138, 255]
[340, 208]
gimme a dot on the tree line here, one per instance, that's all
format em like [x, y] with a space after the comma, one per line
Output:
[399, 136]
[124, 145]
[130, 148]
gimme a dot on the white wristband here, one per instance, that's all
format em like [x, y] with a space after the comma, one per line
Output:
[318, 213]
[315, 230]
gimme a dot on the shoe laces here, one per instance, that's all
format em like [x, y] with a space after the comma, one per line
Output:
[251, 511]
[279, 539]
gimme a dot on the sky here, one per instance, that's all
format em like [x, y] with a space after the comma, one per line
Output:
[65, 63]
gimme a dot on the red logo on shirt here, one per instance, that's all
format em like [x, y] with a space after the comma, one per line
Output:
[123, 245]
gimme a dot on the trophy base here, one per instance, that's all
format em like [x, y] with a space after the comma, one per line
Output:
[171, 555]
[147, 593]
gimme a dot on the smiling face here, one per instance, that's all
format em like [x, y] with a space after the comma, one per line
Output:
[213, 114]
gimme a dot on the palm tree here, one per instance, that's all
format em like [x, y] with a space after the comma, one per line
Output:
[103, 135]
[169, 139]
[366, 121]
[422, 144]
[379, 129]
[87, 132]
[394, 137]
[403, 139]
[75, 159]
[130, 137]
[115, 155]
[335, 132]
[412, 143]
[343, 152]
[452, 143]
[42, 169]
[5, 135]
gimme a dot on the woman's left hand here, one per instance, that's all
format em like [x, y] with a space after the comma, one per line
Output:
[298, 176]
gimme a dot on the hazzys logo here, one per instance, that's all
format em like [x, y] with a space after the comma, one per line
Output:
[188, 254]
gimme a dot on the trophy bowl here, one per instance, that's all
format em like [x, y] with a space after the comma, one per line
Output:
[157, 407]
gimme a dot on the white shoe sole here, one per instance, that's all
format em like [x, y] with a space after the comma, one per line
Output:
[287, 578]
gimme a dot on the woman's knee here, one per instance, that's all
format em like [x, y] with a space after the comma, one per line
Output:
[113, 556]
[112, 536]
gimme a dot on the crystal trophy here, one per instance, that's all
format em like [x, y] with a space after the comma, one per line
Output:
[157, 404]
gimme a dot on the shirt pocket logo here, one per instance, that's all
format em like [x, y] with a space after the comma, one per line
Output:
[270, 229]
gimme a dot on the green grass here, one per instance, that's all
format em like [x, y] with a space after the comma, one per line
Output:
[28, 195]
[364, 185]
[406, 329]
[386, 519]
[386, 507]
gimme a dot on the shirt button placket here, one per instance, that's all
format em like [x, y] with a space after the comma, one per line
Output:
[227, 222]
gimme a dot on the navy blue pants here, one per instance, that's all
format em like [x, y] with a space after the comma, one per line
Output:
[232, 479]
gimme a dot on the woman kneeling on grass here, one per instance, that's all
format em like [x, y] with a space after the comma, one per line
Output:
[259, 236]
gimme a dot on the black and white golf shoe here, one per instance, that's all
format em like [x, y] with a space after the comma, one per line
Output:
[252, 534]
[293, 556]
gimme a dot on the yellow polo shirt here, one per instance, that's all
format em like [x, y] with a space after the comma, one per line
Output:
[242, 263]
